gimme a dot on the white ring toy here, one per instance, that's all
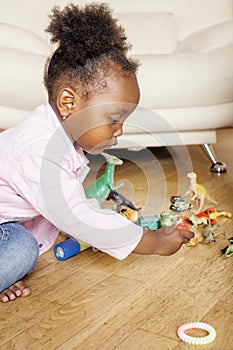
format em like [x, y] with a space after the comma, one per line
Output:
[196, 340]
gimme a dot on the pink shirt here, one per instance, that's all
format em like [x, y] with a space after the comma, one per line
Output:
[41, 188]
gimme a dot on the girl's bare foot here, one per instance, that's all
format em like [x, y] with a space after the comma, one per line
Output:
[18, 289]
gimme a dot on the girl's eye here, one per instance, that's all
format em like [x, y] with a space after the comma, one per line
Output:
[114, 121]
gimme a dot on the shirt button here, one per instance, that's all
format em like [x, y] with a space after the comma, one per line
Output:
[40, 245]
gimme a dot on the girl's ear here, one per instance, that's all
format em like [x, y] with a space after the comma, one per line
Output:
[65, 102]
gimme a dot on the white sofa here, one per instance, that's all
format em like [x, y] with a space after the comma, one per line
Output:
[186, 75]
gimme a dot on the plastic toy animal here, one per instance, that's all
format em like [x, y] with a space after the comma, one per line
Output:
[228, 250]
[121, 201]
[198, 192]
[167, 219]
[130, 214]
[105, 183]
[195, 220]
[211, 214]
[209, 235]
[194, 241]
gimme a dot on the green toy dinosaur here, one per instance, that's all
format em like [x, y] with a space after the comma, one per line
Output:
[105, 183]
[228, 250]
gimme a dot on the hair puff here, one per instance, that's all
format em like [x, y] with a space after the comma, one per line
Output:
[86, 32]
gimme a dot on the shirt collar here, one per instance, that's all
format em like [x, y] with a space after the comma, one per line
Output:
[76, 151]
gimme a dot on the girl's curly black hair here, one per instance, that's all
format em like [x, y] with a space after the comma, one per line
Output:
[91, 44]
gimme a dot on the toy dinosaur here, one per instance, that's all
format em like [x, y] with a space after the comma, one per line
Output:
[194, 241]
[121, 201]
[198, 192]
[209, 235]
[167, 219]
[130, 214]
[195, 220]
[211, 214]
[105, 183]
[228, 250]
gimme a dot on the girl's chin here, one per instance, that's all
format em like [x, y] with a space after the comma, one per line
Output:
[98, 150]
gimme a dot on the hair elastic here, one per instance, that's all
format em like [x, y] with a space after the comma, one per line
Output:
[196, 340]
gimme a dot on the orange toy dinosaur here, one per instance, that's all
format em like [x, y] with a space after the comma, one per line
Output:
[130, 214]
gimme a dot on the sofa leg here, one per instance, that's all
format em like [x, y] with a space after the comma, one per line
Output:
[216, 167]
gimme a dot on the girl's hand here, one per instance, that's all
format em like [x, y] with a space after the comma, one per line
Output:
[164, 241]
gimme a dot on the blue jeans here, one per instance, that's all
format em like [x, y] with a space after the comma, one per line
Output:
[18, 253]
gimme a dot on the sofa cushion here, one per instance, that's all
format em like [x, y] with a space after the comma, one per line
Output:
[210, 38]
[9, 117]
[15, 37]
[144, 120]
[186, 80]
[150, 32]
[21, 79]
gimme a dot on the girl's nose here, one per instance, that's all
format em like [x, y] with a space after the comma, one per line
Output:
[119, 130]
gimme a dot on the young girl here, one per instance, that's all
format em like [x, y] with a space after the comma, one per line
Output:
[92, 89]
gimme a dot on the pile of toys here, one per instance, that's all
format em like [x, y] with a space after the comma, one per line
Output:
[105, 190]
[194, 219]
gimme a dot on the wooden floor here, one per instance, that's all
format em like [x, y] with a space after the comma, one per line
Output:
[93, 301]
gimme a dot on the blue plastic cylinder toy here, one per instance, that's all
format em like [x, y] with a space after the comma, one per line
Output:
[67, 249]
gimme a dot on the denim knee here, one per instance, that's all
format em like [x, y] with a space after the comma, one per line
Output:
[18, 253]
